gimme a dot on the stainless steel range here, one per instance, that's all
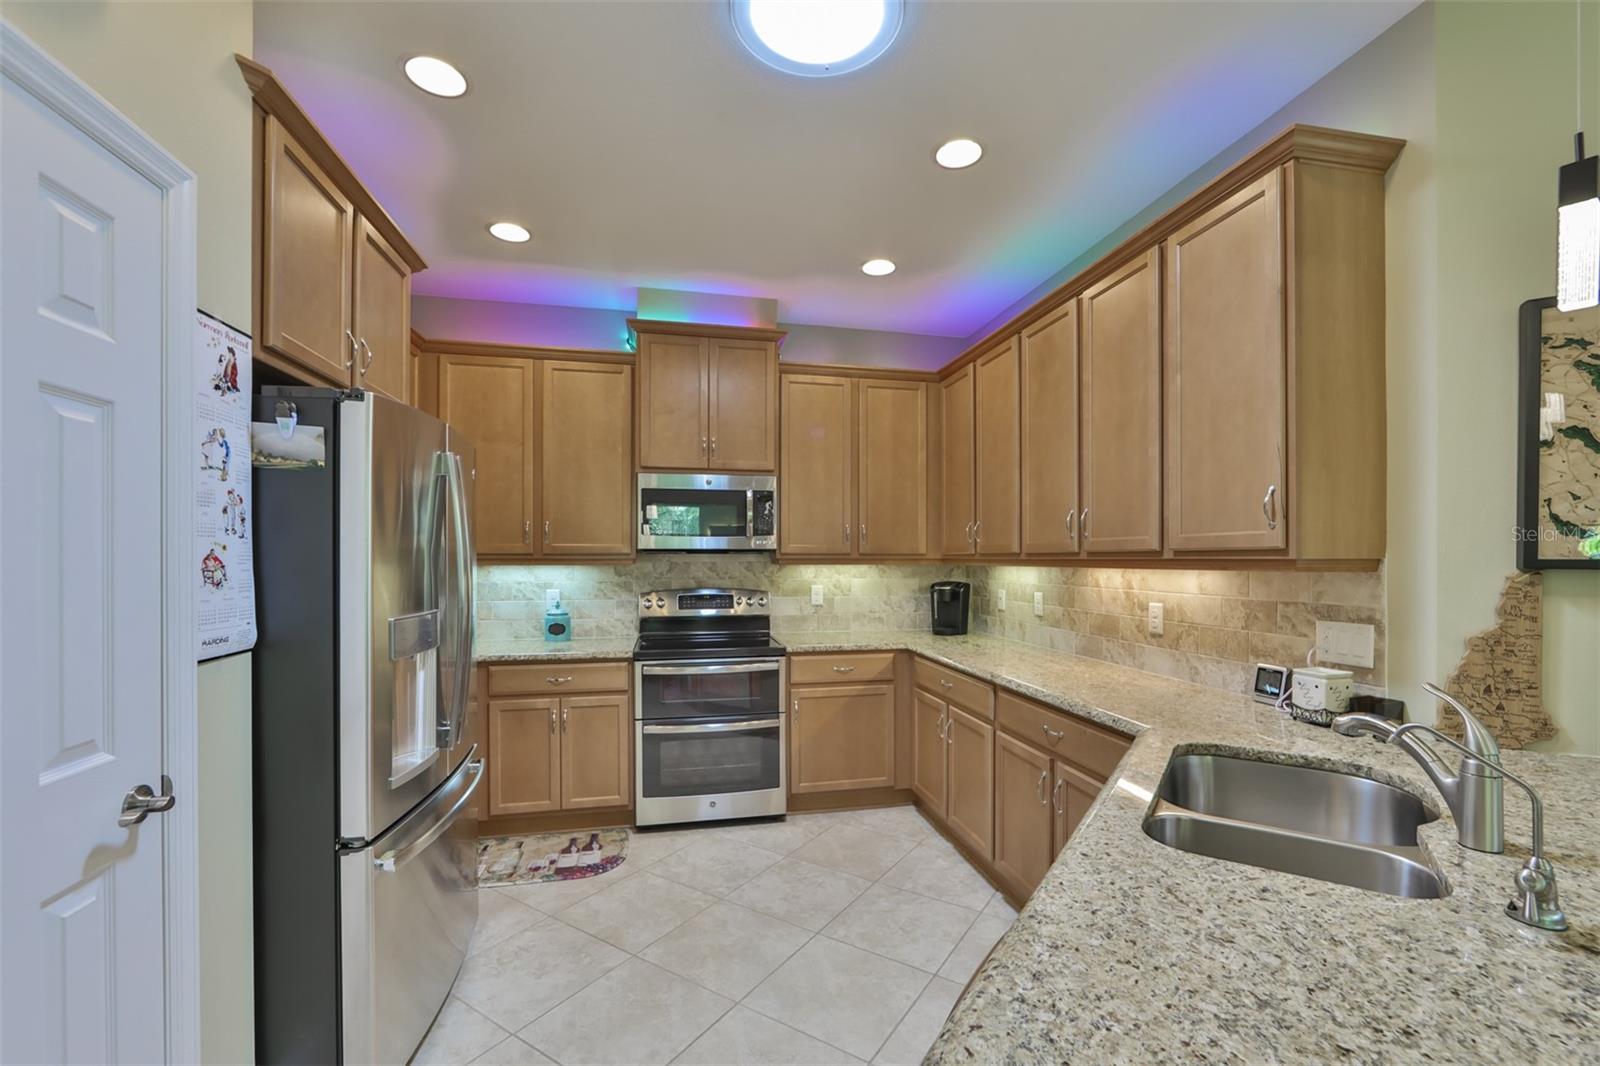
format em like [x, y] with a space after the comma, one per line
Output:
[708, 708]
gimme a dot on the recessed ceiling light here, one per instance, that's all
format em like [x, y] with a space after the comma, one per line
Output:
[961, 152]
[878, 267]
[435, 76]
[509, 231]
[817, 37]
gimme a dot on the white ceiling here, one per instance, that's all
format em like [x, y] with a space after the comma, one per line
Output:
[642, 146]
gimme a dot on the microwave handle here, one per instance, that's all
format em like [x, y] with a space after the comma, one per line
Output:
[749, 514]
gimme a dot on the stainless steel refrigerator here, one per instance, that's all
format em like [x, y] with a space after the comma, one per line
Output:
[365, 863]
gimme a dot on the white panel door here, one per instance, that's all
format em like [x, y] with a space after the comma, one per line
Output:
[81, 646]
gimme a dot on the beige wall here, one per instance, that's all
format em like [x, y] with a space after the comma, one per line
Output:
[169, 67]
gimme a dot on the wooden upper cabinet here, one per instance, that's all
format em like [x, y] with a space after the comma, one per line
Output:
[997, 454]
[743, 401]
[524, 756]
[1225, 375]
[586, 456]
[381, 315]
[596, 742]
[1050, 433]
[307, 229]
[674, 419]
[490, 399]
[1024, 841]
[816, 516]
[892, 496]
[841, 737]
[957, 470]
[1121, 409]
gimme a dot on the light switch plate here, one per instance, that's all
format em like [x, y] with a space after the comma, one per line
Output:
[1349, 643]
[1038, 604]
[1000, 599]
[1158, 619]
[816, 595]
[552, 597]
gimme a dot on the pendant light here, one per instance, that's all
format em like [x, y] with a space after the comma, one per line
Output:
[1578, 214]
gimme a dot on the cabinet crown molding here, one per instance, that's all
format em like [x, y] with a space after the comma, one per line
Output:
[637, 326]
[276, 101]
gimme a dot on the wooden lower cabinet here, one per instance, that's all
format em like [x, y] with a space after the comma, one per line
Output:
[524, 756]
[841, 737]
[568, 753]
[1072, 794]
[1025, 824]
[969, 810]
[596, 742]
[928, 757]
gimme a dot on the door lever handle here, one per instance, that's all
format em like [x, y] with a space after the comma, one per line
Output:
[142, 800]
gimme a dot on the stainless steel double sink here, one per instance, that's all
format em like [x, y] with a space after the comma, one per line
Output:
[1302, 820]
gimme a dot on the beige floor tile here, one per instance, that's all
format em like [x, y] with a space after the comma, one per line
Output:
[917, 1030]
[800, 893]
[716, 865]
[529, 972]
[974, 948]
[744, 1038]
[649, 846]
[499, 916]
[851, 998]
[459, 1035]
[903, 821]
[781, 836]
[903, 926]
[727, 948]
[937, 870]
[636, 912]
[553, 897]
[999, 908]
[637, 1013]
[512, 1051]
[863, 852]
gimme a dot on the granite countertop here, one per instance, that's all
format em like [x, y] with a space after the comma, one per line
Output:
[542, 651]
[1130, 951]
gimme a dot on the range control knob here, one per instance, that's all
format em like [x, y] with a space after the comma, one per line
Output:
[644, 601]
[660, 602]
[738, 601]
[761, 601]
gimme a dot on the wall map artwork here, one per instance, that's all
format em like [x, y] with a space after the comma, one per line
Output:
[1558, 443]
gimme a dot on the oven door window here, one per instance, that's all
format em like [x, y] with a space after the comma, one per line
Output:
[709, 692]
[694, 512]
[711, 758]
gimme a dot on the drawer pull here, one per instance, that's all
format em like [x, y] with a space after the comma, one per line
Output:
[947, 683]
[558, 680]
[1038, 787]
[1053, 734]
[844, 669]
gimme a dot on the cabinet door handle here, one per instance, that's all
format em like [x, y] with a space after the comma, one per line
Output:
[977, 531]
[797, 705]
[552, 721]
[702, 445]
[1038, 787]
[847, 532]
[563, 719]
[1055, 796]
[863, 534]
[939, 728]
[844, 669]
[1072, 514]
[527, 532]
[355, 346]
[557, 681]
[969, 532]
[1053, 734]
[366, 364]
[1267, 507]
[1083, 523]
[547, 531]
[713, 446]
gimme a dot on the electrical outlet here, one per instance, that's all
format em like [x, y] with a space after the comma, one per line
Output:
[1038, 604]
[1349, 643]
[1000, 599]
[816, 595]
[552, 598]
[1158, 618]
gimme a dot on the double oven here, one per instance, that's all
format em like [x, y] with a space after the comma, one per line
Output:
[711, 732]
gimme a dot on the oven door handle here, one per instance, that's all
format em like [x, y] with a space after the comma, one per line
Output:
[769, 667]
[715, 727]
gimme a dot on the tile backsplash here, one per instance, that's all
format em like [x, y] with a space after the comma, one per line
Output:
[1218, 625]
[604, 599]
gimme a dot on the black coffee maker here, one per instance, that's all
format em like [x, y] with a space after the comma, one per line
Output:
[950, 600]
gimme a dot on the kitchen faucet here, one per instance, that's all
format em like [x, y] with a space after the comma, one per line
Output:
[1475, 796]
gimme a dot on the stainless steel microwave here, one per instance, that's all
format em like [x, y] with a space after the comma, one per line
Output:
[708, 512]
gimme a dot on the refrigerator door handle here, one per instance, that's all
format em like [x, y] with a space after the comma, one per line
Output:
[464, 598]
[464, 786]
